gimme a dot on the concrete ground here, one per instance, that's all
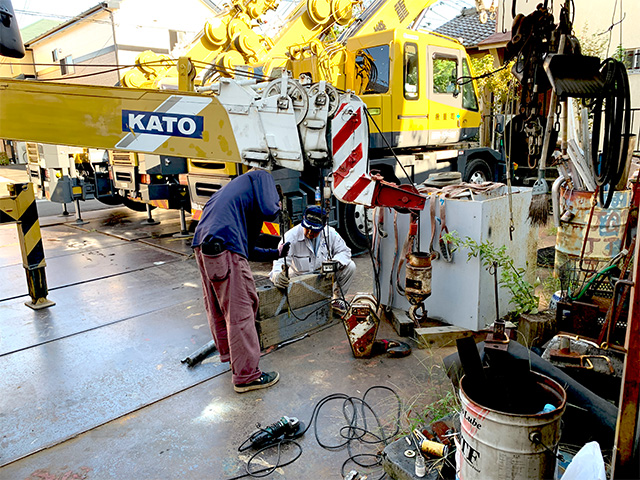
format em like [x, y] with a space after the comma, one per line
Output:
[93, 387]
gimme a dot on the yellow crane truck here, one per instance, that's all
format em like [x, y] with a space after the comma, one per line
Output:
[419, 119]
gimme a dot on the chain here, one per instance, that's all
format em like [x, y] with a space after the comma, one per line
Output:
[556, 125]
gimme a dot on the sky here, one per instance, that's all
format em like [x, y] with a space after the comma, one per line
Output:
[29, 11]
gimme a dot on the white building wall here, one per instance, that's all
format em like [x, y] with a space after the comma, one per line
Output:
[147, 24]
[138, 24]
[82, 39]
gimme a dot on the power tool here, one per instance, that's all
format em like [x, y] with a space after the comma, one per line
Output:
[286, 427]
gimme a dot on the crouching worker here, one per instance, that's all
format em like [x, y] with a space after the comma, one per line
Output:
[223, 242]
[311, 244]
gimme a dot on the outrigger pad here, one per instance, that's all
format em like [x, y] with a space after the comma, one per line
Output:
[574, 75]
[394, 348]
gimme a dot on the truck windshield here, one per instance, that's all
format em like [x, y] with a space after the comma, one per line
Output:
[373, 64]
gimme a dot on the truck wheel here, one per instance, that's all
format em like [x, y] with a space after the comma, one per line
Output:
[478, 171]
[352, 226]
[111, 200]
[135, 206]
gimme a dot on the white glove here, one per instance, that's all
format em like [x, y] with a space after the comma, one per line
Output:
[281, 281]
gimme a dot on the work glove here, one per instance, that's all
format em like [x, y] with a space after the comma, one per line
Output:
[281, 280]
[283, 249]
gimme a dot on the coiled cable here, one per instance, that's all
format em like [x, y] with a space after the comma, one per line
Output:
[614, 104]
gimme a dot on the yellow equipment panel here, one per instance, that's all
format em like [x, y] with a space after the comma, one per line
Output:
[116, 118]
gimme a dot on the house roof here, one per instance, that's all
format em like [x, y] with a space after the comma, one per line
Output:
[467, 28]
[60, 26]
[36, 29]
[498, 39]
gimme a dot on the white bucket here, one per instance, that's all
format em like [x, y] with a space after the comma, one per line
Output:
[496, 445]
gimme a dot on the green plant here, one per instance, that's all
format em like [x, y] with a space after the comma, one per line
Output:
[620, 54]
[511, 277]
[593, 45]
[431, 412]
[494, 88]
[4, 159]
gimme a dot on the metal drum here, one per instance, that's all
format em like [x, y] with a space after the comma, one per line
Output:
[497, 445]
[604, 234]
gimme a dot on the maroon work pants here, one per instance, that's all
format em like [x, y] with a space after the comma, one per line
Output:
[231, 302]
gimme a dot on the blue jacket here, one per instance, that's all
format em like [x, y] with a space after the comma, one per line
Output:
[234, 215]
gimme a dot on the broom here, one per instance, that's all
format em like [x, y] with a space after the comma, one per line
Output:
[539, 207]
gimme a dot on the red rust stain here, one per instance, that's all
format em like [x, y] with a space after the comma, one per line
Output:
[42, 474]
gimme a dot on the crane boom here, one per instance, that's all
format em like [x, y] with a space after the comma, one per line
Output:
[236, 122]
[385, 15]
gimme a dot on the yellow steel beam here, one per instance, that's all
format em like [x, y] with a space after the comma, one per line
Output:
[387, 15]
[116, 118]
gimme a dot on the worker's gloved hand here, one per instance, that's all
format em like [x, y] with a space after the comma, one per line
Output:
[283, 249]
[281, 280]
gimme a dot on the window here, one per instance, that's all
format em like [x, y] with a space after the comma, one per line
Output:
[469, 99]
[632, 59]
[66, 65]
[445, 74]
[373, 68]
[410, 70]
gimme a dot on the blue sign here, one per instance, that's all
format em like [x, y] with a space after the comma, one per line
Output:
[158, 123]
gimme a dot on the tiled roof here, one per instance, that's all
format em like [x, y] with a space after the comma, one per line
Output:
[467, 28]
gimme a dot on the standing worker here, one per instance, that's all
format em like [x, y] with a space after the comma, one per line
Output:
[223, 242]
[312, 243]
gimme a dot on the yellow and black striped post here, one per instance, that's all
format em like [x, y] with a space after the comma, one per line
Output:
[20, 207]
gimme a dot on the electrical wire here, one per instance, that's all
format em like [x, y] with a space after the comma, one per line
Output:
[355, 429]
[464, 79]
[397, 160]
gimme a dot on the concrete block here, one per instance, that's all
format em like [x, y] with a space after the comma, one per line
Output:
[536, 330]
[304, 290]
[400, 467]
[401, 322]
[283, 327]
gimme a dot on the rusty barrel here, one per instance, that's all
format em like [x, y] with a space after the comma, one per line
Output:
[603, 233]
[497, 445]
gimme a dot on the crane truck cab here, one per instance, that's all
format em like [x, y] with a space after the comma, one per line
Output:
[422, 105]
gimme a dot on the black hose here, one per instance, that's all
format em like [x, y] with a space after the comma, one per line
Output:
[354, 429]
[615, 105]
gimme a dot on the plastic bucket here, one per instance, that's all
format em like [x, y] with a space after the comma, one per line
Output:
[497, 445]
[605, 231]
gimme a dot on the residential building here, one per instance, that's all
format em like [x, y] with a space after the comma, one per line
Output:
[90, 47]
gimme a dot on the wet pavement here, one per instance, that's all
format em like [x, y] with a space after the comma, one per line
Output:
[93, 387]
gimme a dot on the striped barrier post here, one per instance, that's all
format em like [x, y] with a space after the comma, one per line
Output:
[20, 207]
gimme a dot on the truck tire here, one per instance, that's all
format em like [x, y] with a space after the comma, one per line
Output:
[111, 200]
[478, 171]
[352, 227]
[135, 206]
